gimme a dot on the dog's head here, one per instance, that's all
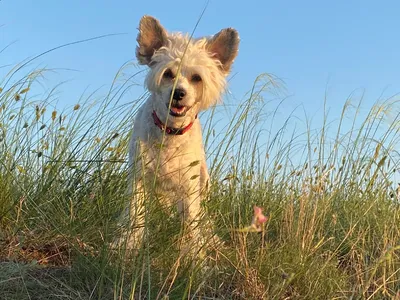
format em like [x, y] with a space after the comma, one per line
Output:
[186, 76]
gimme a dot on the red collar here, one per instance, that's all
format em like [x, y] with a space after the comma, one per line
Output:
[170, 130]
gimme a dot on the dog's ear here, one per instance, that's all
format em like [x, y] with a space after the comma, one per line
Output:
[224, 46]
[151, 37]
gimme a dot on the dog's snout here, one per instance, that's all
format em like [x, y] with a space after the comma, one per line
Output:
[179, 94]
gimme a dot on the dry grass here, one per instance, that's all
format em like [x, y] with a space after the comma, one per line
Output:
[333, 221]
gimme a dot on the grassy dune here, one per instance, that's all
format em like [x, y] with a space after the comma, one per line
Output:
[333, 230]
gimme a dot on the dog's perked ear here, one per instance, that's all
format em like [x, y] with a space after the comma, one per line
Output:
[151, 37]
[224, 47]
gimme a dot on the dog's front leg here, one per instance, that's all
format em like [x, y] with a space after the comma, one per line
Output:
[204, 179]
[132, 219]
[189, 209]
[207, 231]
[136, 217]
[191, 214]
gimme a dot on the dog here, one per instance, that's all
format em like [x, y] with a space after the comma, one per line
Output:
[166, 154]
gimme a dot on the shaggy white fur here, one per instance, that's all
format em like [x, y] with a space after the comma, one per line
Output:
[185, 77]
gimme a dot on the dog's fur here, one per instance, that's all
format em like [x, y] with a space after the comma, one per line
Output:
[185, 77]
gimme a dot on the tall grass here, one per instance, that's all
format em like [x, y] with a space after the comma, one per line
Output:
[333, 229]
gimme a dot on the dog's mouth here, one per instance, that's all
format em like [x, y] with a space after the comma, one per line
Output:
[177, 110]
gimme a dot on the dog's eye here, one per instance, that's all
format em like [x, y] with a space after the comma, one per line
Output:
[168, 74]
[196, 78]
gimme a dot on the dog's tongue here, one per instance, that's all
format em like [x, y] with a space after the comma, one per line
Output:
[178, 110]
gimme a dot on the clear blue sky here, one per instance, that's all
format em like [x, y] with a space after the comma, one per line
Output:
[315, 46]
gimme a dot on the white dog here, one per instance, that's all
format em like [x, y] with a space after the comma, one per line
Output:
[166, 151]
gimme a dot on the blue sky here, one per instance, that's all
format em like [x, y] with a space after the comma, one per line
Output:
[316, 47]
[310, 44]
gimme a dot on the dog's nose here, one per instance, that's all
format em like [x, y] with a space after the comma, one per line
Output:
[179, 94]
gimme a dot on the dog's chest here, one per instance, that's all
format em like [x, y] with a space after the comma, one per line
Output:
[173, 166]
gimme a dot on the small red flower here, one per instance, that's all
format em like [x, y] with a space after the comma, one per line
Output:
[258, 218]
[257, 222]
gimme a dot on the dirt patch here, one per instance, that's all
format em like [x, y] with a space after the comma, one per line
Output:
[33, 281]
